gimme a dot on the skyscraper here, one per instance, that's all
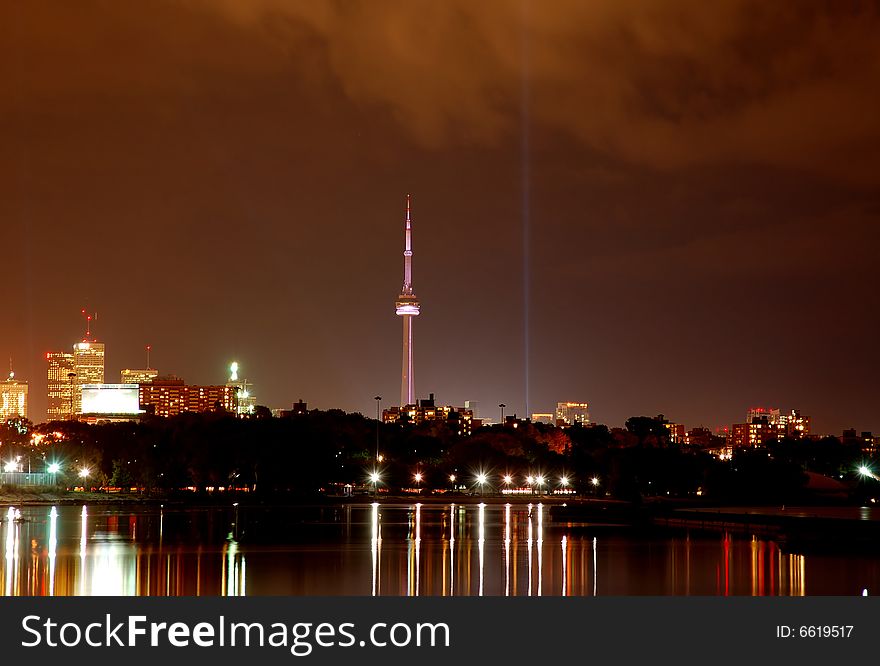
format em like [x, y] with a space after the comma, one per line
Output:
[407, 306]
[66, 375]
[61, 378]
[88, 364]
[13, 398]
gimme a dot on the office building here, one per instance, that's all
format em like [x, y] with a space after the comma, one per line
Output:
[13, 398]
[88, 364]
[569, 413]
[61, 382]
[170, 396]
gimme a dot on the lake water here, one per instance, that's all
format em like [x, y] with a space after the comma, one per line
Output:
[393, 549]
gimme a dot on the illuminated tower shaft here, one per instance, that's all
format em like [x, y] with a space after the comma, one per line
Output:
[407, 306]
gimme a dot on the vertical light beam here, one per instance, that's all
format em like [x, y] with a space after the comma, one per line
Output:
[525, 204]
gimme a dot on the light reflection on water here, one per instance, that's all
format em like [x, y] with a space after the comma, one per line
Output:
[396, 549]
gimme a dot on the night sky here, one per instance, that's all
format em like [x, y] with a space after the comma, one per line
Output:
[653, 207]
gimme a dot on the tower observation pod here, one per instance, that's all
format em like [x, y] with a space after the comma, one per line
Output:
[407, 307]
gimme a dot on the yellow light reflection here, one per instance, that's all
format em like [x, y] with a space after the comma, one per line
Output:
[375, 547]
[83, 539]
[595, 578]
[418, 544]
[452, 550]
[481, 542]
[530, 550]
[113, 569]
[540, 548]
[232, 576]
[564, 560]
[10, 550]
[413, 546]
[507, 550]
[53, 546]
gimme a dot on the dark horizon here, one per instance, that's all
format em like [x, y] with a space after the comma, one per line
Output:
[655, 210]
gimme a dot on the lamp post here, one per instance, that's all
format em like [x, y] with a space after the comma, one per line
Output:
[378, 400]
[502, 406]
[481, 479]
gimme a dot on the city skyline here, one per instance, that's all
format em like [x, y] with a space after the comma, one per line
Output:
[625, 209]
[566, 413]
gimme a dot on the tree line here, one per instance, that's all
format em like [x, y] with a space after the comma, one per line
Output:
[318, 451]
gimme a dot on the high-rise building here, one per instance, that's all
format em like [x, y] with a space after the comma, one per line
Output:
[569, 413]
[541, 417]
[144, 376]
[781, 424]
[757, 433]
[61, 386]
[169, 396]
[88, 364]
[67, 373]
[407, 306]
[798, 425]
[13, 398]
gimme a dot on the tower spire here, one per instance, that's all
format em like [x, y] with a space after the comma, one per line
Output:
[407, 306]
[407, 251]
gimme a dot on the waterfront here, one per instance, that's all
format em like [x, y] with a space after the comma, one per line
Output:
[394, 549]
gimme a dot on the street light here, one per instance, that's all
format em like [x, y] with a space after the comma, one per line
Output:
[418, 479]
[564, 481]
[507, 479]
[374, 479]
[378, 400]
[54, 468]
[481, 479]
[864, 470]
[540, 482]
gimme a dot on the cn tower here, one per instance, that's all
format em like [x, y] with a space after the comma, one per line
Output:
[407, 306]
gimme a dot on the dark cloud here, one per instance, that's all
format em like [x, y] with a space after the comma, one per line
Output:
[667, 84]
